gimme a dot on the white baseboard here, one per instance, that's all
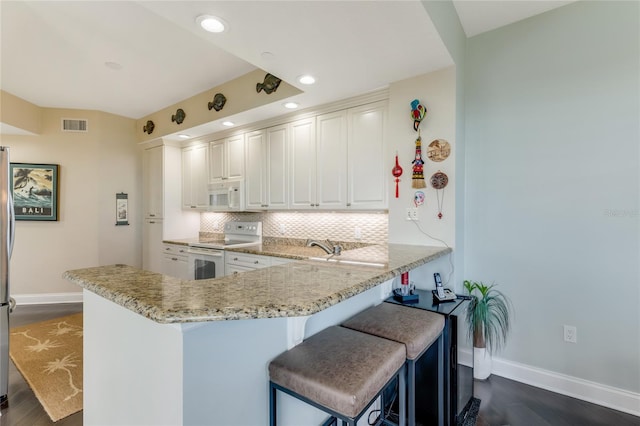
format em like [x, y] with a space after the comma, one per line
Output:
[47, 298]
[596, 393]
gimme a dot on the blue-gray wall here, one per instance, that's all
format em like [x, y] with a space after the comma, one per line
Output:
[553, 185]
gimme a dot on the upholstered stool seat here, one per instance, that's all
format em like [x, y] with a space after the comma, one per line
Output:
[417, 329]
[338, 370]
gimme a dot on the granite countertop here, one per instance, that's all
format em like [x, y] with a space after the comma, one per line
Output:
[295, 289]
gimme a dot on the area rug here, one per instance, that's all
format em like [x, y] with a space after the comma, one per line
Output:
[48, 354]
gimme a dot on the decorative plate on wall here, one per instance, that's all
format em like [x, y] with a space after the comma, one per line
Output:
[438, 150]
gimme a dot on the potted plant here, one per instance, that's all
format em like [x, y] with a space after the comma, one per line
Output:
[488, 318]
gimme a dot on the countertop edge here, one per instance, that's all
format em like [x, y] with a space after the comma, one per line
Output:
[158, 315]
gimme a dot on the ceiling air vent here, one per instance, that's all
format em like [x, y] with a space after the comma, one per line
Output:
[75, 125]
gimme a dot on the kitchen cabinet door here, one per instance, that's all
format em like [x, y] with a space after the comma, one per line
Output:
[276, 167]
[255, 174]
[331, 160]
[367, 180]
[175, 261]
[152, 182]
[226, 159]
[234, 152]
[216, 161]
[152, 245]
[302, 181]
[195, 162]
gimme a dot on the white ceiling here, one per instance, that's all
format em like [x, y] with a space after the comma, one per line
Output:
[53, 53]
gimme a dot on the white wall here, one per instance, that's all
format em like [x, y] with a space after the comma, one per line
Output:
[437, 92]
[93, 167]
[554, 185]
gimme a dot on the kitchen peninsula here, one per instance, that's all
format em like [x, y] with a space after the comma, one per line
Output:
[159, 350]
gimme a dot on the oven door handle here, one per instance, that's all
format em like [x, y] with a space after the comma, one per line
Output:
[216, 253]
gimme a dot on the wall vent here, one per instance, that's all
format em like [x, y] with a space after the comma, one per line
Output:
[75, 125]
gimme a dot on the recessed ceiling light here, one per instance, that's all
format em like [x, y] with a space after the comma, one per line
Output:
[267, 56]
[291, 105]
[306, 79]
[213, 24]
[183, 136]
[228, 123]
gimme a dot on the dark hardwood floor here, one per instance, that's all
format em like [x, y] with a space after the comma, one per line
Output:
[504, 402]
[23, 408]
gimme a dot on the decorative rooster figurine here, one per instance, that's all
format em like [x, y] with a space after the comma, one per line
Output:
[418, 111]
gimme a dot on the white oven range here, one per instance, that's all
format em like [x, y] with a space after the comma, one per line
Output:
[206, 258]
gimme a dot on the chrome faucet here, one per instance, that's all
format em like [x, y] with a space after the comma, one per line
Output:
[335, 249]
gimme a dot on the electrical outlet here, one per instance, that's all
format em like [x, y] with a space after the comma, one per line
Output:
[570, 334]
[282, 229]
[412, 213]
[357, 233]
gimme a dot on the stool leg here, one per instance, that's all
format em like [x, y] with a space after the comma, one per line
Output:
[272, 405]
[402, 391]
[411, 390]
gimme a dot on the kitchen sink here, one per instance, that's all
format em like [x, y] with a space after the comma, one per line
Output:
[339, 261]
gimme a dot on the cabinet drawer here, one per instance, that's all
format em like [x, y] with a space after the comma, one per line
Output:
[174, 249]
[247, 260]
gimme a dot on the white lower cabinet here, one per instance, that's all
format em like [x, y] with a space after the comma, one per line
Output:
[241, 262]
[175, 261]
[152, 241]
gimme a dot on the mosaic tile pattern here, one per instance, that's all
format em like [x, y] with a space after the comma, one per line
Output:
[339, 226]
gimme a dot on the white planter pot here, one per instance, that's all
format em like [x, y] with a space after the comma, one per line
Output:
[481, 363]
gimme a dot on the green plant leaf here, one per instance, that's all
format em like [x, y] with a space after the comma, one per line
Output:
[488, 316]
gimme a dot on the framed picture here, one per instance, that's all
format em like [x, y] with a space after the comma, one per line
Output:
[122, 209]
[34, 188]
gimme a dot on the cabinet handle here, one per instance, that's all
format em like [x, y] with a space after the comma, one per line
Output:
[152, 215]
[167, 248]
[174, 258]
[181, 250]
[317, 205]
[193, 207]
[256, 262]
[348, 204]
[235, 258]
[311, 204]
[151, 221]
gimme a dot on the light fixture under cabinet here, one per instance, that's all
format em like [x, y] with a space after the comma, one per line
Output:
[291, 105]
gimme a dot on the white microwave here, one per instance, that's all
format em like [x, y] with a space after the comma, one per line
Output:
[226, 196]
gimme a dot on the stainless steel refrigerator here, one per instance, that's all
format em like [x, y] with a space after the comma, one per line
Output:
[7, 226]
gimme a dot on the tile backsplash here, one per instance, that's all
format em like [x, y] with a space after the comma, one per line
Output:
[339, 226]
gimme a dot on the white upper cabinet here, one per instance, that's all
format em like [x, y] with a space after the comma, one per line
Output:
[195, 163]
[302, 176]
[266, 173]
[319, 162]
[275, 188]
[255, 175]
[226, 159]
[152, 182]
[331, 160]
[367, 187]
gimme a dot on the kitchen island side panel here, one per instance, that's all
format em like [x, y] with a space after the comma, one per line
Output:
[132, 367]
[139, 372]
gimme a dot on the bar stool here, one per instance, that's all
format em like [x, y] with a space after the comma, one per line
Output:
[339, 371]
[417, 329]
